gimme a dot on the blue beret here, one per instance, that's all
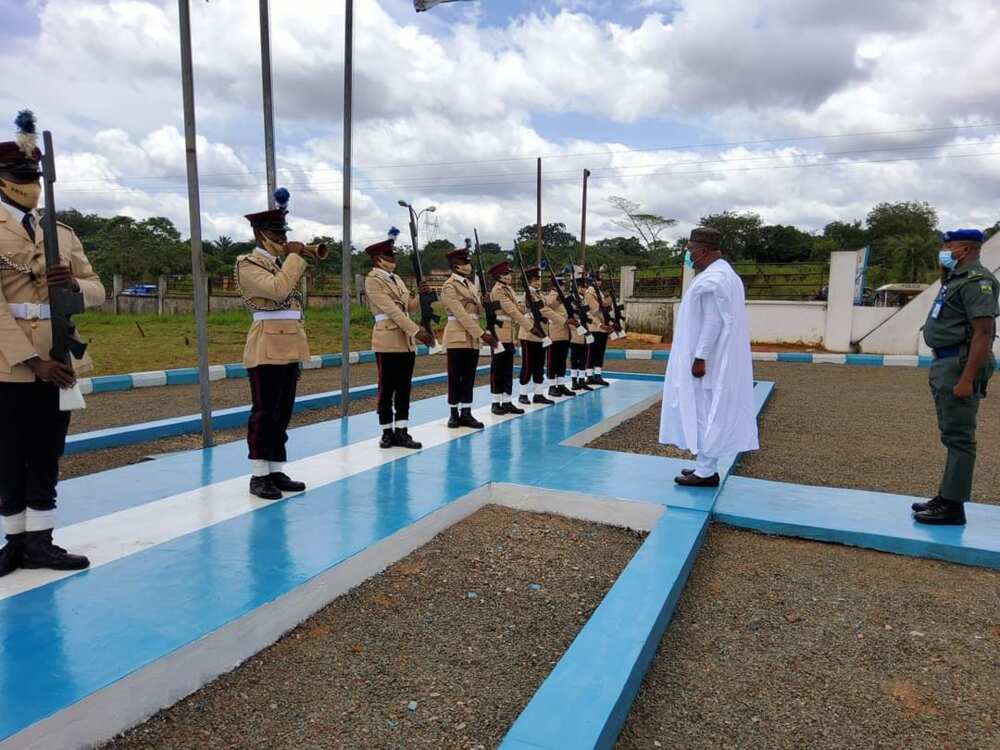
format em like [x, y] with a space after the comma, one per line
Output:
[963, 235]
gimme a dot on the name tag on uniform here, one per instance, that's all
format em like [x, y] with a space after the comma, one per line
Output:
[939, 302]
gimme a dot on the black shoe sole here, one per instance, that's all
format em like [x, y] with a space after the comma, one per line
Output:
[263, 496]
[940, 521]
[34, 566]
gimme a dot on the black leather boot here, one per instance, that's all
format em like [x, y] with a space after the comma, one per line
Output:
[402, 439]
[39, 552]
[933, 502]
[554, 391]
[264, 488]
[283, 483]
[523, 399]
[581, 385]
[453, 421]
[509, 408]
[498, 409]
[598, 380]
[564, 391]
[945, 513]
[387, 438]
[10, 555]
[467, 420]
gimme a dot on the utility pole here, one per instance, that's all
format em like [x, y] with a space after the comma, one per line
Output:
[345, 266]
[265, 75]
[583, 227]
[538, 259]
[194, 210]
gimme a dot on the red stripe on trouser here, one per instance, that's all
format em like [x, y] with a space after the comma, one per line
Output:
[256, 413]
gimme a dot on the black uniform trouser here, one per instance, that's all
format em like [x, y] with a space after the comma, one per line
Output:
[532, 362]
[462, 364]
[502, 371]
[395, 380]
[272, 391]
[557, 359]
[32, 441]
[578, 354]
[597, 349]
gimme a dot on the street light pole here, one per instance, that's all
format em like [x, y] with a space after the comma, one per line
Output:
[345, 265]
[194, 212]
[583, 227]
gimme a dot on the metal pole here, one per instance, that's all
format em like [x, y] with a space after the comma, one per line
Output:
[583, 227]
[538, 259]
[345, 268]
[265, 75]
[194, 208]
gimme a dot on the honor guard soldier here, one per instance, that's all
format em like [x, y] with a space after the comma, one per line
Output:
[511, 315]
[393, 341]
[559, 331]
[462, 337]
[960, 329]
[599, 329]
[268, 280]
[533, 346]
[34, 428]
[579, 352]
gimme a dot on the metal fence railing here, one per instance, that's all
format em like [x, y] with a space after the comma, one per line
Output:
[761, 281]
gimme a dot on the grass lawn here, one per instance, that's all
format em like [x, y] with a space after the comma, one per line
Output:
[136, 343]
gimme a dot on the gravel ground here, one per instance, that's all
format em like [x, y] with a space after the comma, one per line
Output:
[871, 428]
[780, 643]
[114, 409]
[443, 650]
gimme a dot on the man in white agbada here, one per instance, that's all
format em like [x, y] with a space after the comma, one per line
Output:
[708, 404]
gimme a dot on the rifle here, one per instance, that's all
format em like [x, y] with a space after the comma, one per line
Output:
[571, 309]
[489, 305]
[534, 305]
[619, 317]
[427, 299]
[63, 303]
[581, 306]
[605, 313]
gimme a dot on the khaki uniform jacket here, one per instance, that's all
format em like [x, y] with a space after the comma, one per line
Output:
[21, 340]
[556, 313]
[390, 296]
[510, 308]
[596, 316]
[266, 284]
[462, 303]
[525, 332]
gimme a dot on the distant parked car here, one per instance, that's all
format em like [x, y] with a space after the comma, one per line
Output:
[141, 290]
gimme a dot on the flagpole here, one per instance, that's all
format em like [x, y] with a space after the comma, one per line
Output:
[194, 211]
[345, 265]
[266, 82]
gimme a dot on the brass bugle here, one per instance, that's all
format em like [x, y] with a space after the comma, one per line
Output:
[319, 252]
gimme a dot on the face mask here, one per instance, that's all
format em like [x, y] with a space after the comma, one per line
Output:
[688, 259]
[275, 248]
[947, 259]
[464, 269]
[387, 265]
[506, 279]
[26, 196]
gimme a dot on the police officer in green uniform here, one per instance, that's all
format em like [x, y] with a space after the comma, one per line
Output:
[960, 329]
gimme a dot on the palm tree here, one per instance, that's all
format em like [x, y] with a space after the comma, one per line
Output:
[913, 256]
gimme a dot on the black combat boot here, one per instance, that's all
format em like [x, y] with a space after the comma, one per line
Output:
[283, 483]
[467, 420]
[540, 399]
[581, 385]
[598, 380]
[39, 552]
[945, 513]
[509, 408]
[498, 409]
[453, 421]
[402, 439]
[264, 488]
[564, 391]
[10, 555]
[387, 438]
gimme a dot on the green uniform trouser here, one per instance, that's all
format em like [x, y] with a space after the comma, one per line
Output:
[957, 424]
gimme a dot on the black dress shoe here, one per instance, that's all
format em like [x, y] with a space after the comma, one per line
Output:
[687, 472]
[387, 437]
[581, 385]
[945, 513]
[564, 391]
[509, 408]
[932, 503]
[522, 399]
[403, 439]
[554, 391]
[693, 480]
[598, 380]
[498, 409]
[10, 555]
[540, 399]
[39, 552]
[454, 422]
[283, 483]
[264, 488]
[467, 420]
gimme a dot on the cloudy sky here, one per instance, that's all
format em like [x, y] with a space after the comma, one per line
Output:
[805, 112]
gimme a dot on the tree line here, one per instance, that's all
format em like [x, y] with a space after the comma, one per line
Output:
[903, 238]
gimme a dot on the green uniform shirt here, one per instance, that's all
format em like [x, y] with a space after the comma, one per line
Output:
[968, 292]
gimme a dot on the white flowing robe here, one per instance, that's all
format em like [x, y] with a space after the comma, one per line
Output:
[728, 424]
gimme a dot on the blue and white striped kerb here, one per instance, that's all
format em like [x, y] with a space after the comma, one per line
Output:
[819, 358]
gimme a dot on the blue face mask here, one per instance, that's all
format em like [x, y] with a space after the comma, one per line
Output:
[946, 259]
[688, 259]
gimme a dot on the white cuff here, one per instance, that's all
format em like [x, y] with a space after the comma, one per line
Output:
[14, 524]
[260, 468]
[39, 520]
